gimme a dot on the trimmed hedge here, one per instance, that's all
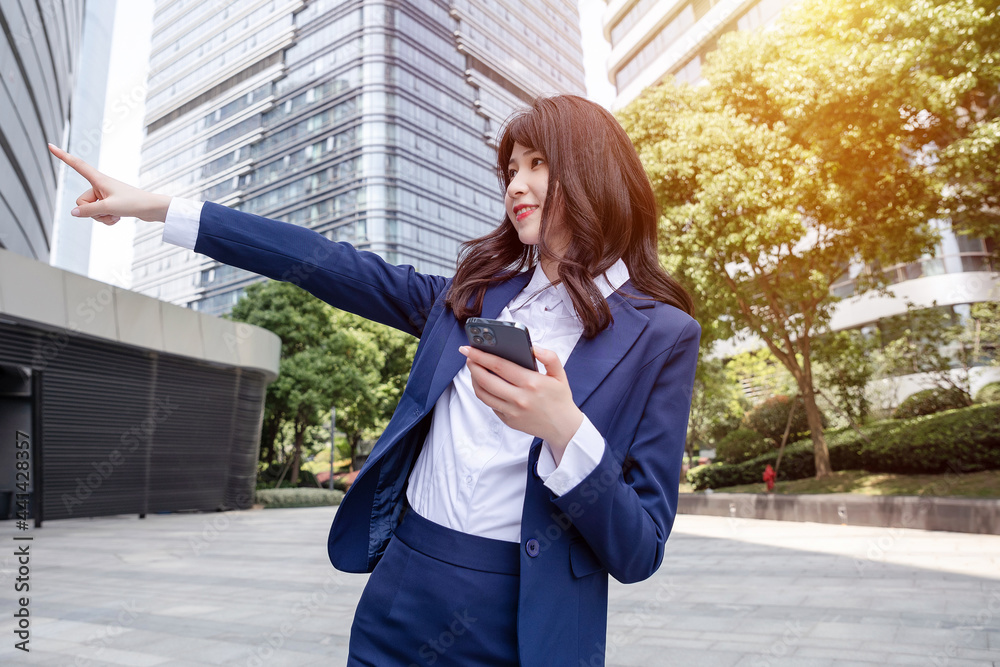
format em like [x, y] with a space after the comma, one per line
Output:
[989, 393]
[297, 497]
[964, 440]
[931, 401]
[742, 445]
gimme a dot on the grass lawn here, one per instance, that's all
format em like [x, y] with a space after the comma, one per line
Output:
[970, 485]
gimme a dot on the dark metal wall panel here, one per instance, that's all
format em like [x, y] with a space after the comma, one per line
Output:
[94, 399]
[190, 458]
[132, 431]
[247, 424]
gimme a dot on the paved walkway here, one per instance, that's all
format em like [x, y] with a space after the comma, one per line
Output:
[255, 589]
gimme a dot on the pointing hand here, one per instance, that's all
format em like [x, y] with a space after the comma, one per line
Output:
[109, 200]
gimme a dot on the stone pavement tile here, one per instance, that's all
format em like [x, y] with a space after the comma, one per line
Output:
[851, 631]
[770, 660]
[993, 640]
[205, 650]
[36, 657]
[671, 643]
[105, 655]
[743, 637]
[637, 655]
[72, 631]
[926, 661]
[845, 601]
[939, 637]
[843, 653]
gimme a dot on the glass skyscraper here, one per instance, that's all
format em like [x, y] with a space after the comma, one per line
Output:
[370, 122]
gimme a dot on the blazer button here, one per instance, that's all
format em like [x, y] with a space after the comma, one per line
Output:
[531, 547]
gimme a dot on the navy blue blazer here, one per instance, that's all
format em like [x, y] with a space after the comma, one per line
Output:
[633, 381]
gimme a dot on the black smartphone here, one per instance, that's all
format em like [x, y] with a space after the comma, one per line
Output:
[509, 340]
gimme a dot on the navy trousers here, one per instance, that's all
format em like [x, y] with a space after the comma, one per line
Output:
[438, 597]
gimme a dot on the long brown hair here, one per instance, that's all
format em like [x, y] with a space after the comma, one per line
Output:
[597, 189]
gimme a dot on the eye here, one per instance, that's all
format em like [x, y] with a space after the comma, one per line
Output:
[511, 173]
[537, 161]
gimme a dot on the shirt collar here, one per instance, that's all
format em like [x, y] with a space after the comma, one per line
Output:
[539, 287]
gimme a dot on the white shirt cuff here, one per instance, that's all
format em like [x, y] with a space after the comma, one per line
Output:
[581, 457]
[183, 219]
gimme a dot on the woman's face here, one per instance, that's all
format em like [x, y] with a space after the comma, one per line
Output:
[529, 181]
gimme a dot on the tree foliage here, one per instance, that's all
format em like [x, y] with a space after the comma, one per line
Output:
[816, 145]
[328, 359]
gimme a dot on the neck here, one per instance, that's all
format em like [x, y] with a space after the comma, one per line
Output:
[551, 269]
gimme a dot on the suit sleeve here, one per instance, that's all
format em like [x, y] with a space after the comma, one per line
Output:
[625, 509]
[356, 281]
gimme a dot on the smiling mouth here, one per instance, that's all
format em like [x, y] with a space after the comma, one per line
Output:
[523, 211]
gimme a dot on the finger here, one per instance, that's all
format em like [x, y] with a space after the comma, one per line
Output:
[508, 370]
[108, 219]
[497, 392]
[549, 359]
[95, 210]
[76, 163]
[88, 197]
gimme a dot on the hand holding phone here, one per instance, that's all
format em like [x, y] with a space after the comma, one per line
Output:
[508, 340]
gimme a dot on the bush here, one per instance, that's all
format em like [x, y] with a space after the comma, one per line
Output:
[931, 401]
[742, 445]
[295, 497]
[770, 419]
[964, 440]
[268, 477]
[989, 393]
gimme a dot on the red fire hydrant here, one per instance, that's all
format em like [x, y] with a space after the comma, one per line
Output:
[769, 478]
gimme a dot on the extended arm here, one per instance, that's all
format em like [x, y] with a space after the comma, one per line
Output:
[359, 282]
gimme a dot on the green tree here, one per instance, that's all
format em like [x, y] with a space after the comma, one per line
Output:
[323, 364]
[846, 364]
[717, 406]
[810, 149]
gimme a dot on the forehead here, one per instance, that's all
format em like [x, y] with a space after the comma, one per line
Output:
[519, 151]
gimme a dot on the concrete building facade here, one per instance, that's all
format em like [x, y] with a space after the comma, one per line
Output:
[370, 122]
[39, 45]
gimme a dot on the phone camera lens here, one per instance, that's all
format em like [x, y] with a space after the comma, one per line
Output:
[478, 340]
[488, 336]
[475, 330]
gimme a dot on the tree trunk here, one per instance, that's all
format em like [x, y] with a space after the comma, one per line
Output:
[820, 451]
[300, 433]
[353, 440]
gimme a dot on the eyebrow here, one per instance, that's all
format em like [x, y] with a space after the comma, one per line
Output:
[525, 153]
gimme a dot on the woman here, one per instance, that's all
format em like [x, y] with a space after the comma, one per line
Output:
[499, 499]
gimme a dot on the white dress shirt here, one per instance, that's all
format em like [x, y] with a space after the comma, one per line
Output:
[472, 471]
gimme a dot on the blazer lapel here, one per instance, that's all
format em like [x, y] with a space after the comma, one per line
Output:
[450, 359]
[593, 359]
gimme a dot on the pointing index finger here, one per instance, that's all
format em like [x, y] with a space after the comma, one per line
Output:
[74, 162]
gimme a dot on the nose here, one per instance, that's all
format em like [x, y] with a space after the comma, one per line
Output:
[516, 186]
